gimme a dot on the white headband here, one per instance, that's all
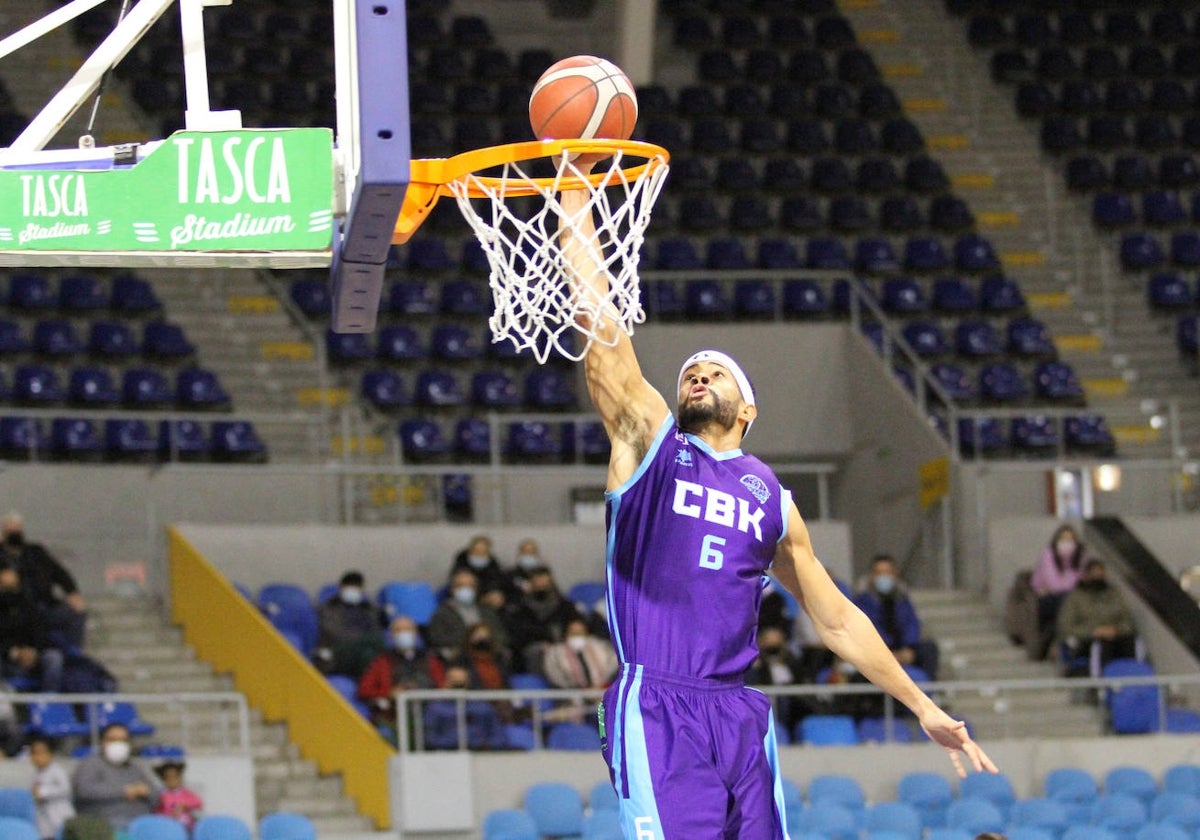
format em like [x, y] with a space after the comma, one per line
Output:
[726, 361]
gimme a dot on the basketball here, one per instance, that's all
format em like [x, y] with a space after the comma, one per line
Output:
[583, 97]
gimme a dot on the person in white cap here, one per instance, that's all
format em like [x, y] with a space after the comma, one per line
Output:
[693, 524]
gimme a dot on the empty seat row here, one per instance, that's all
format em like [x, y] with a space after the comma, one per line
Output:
[453, 297]
[744, 31]
[1136, 173]
[195, 389]
[541, 390]
[762, 94]
[126, 294]
[765, 135]
[1098, 63]
[1003, 383]
[77, 438]
[1038, 435]
[402, 343]
[875, 176]
[1022, 338]
[424, 440]
[1081, 28]
[161, 341]
[1143, 251]
[1158, 208]
[1119, 96]
[1148, 132]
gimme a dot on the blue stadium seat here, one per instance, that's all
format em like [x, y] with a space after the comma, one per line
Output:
[926, 339]
[111, 340]
[183, 440]
[56, 339]
[81, 294]
[1087, 173]
[855, 137]
[974, 815]
[199, 389]
[30, 292]
[573, 736]
[857, 67]
[1113, 210]
[133, 296]
[981, 436]
[12, 342]
[804, 299]
[877, 101]
[472, 439]
[384, 389]
[1029, 338]
[737, 174]
[532, 441]
[74, 439]
[1178, 171]
[1168, 291]
[509, 824]
[903, 296]
[777, 253]
[976, 339]
[678, 254]
[463, 298]
[750, 214]
[783, 175]
[1169, 96]
[999, 294]
[285, 825]
[1107, 133]
[759, 135]
[788, 101]
[1185, 335]
[923, 174]
[663, 300]
[830, 788]
[974, 254]
[56, 720]
[1154, 133]
[754, 300]
[422, 440]
[1185, 249]
[1163, 208]
[1002, 383]
[129, 440]
[955, 381]
[711, 136]
[454, 343]
[875, 255]
[827, 730]
[413, 598]
[950, 214]
[808, 67]
[801, 214]
[165, 342]
[36, 385]
[347, 348]
[826, 253]
[436, 388]
[1121, 96]
[1133, 173]
[1079, 97]
[877, 176]
[399, 343]
[1056, 381]
[1131, 781]
[849, 214]
[92, 388]
[900, 136]
[21, 438]
[412, 298]
[787, 30]
[236, 440]
[900, 214]
[1119, 812]
[830, 176]
[1060, 135]
[1088, 433]
[494, 389]
[706, 300]
[929, 794]
[1140, 252]
[556, 808]
[925, 255]
[700, 213]
[548, 389]
[806, 136]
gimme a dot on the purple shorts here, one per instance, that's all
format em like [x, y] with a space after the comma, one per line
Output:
[691, 759]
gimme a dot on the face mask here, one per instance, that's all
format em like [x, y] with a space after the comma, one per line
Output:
[481, 644]
[477, 562]
[846, 669]
[1093, 585]
[884, 584]
[1065, 548]
[577, 643]
[14, 540]
[541, 595]
[116, 752]
[771, 650]
[404, 639]
[529, 561]
[465, 594]
[352, 595]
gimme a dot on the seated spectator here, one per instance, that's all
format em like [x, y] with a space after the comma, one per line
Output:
[403, 666]
[580, 660]
[440, 717]
[772, 609]
[51, 788]
[1054, 575]
[51, 586]
[529, 557]
[447, 631]
[541, 616]
[24, 637]
[777, 665]
[487, 661]
[348, 634]
[175, 800]
[478, 559]
[890, 610]
[814, 656]
[109, 785]
[1095, 612]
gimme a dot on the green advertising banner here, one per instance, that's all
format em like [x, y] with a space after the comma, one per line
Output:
[250, 190]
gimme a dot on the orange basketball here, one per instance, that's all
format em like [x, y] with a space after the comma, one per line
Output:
[583, 97]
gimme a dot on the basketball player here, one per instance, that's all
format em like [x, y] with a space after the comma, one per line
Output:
[693, 523]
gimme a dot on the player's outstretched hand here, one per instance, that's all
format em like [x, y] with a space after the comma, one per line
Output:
[952, 735]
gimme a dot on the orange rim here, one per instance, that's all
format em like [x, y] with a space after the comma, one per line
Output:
[430, 178]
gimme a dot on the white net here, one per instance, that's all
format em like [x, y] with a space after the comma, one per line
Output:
[537, 308]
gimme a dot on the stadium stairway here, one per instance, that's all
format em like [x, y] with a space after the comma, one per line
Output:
[973, 646]
[147, 655]
[1044, 235]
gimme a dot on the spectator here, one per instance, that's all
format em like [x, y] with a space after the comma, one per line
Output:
[484, 730]
[773, 609]
[813, 654]
[888, 606]
[777, 665]
[1095, 612]
[348, 629]
[858, 706]
[110, 786]
[1054, 575]
[529, 557]
[52, 587]
[540, 620]
[488, 662]
[478, 559]
[580, 660]
[447, 631]
[175, 800]
[24, 637]
[405, 665]
[51, 788]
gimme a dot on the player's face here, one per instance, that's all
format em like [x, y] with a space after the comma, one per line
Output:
[708, 394]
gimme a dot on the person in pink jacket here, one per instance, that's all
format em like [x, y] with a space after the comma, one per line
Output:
[1054, 575]
[175, 800]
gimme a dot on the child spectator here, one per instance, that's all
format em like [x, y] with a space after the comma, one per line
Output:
[175, 800]
[51, 788]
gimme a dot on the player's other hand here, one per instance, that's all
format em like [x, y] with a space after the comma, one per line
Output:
[952, 735]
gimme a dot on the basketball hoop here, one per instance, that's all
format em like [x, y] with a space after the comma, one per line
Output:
[535, 306]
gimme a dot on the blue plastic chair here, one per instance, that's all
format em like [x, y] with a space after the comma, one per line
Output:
[975, 815]
[200, 389]
[17, 828]
[185, 440]
[994, 787]
[79, 293]
[1074, 787]
[92, 387]
[925, 255]
[18, 803]
[1040, 812]
[1088, 433]
[826, 819]
[1029, 832]
[603, 824]
[221, 827]
[312, 297]
[56, 339]
[839, 790]
[898, 817]
[509, 824]
[289, 607]
[876, 729]
[573, 736]
[236, 440]
[74, 439]
[556, 808]
[1182, 778]
[929, 793]
[1134, 781]
[827, 730]
[37, 385]
[129, 440]
[1119, 812]
[145, 388]
[602, 797]
[165, 341]
[134, 296]
[56, 720]
[124, 713]
[286, 825]
[156, 827]
[415, 599]
[384, 389]
[1002, 383]
[1176, 808]
[422, 440]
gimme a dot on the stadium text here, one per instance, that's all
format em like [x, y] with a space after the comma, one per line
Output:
[236, 176]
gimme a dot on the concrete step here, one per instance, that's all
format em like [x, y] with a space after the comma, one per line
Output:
[342, 825]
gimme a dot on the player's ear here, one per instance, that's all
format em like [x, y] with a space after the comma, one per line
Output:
[749, 413]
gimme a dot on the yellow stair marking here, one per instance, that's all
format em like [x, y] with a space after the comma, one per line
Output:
[366, 445]
[925, 105]
[904, 70]
[1023, 259]
[1048, 300]
[329, 397]
[117, 137]
[858, 4]
[948, 142]
[879, 36]
[1079, 342]
[997, 219]
[1113, 386]
[973, 181]
[298, 351]
[253, 304]
[1136, 434]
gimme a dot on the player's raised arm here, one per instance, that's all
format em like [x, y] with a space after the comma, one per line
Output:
[630, 408]
[844, 628]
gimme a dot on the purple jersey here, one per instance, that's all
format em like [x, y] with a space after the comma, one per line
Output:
[690, 536]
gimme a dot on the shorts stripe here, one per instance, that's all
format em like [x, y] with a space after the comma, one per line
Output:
[639, 810]
[772, 751]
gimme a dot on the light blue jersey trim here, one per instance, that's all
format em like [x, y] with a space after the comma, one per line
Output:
[609, 570]
[647, 460]
[771, 748]
[616, 725]
[712, 453]
[785, 503]
[639, 813]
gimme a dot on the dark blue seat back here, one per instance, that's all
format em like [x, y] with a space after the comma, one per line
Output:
[21, 437]
[453, 342]
[145, 388]
[347, 348]
[111, 339]
[200, 388]
[134, 296]
[472, 438]
[494, 389]
[1002, 382]
[384, 389]
[56, 338]
[412, 298]
[129, 439]
[1057, 381]
[164, 340]
[532, 441]
[92, 386]
[236, 440]
[36, 385]
[72, 437]
[706, 300]
[80, 293]
[548, 388]
[438, 388]
[399, 343]
[804, 299]
[185, 439]
[30, 292]
[976, 339]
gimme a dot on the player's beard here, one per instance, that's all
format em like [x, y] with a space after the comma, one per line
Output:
[694, 416]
